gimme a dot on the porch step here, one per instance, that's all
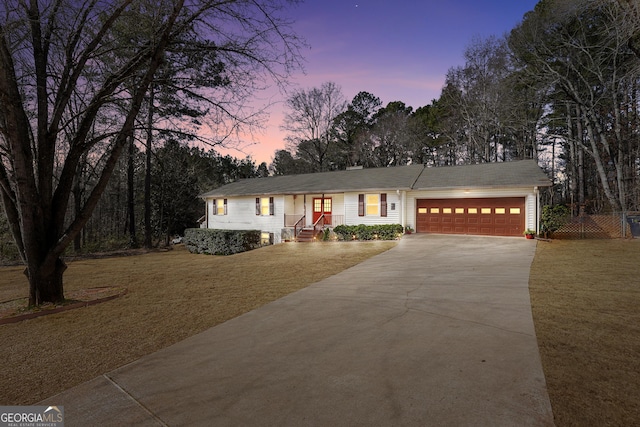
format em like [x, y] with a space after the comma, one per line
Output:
[306, 235]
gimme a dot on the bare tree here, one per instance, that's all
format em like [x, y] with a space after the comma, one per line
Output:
[482, 100]
[66, 64]
[630, 25]
[309, 122]
[582, 49]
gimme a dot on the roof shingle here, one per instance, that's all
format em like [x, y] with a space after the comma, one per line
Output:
[524, 173]
[416, 177]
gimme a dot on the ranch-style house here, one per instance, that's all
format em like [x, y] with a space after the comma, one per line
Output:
[500, 199]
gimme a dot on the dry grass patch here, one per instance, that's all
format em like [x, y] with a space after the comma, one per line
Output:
[585, 299]
[171, 296]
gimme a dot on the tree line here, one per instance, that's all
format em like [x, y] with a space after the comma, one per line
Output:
[561, 88]
[179, 173]
[130, 215]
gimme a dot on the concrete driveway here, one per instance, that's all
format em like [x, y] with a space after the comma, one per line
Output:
[435, 332]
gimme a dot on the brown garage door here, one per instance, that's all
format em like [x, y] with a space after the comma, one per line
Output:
[494, 217]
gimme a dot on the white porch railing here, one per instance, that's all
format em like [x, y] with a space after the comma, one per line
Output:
[296, 221]
[331, 220]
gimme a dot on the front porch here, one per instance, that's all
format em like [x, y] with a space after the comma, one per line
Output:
[303, 232]
[308, 215]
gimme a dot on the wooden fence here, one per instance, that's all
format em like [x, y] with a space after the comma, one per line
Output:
[612, 226]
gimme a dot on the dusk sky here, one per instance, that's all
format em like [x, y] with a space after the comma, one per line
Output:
[398, 50]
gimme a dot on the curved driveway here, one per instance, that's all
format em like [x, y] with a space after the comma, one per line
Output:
[435, 332]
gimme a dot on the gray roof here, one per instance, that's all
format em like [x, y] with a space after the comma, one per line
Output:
[523, 173]
[416, 177]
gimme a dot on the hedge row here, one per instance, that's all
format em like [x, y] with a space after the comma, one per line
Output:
[221, 242]
[368, 232]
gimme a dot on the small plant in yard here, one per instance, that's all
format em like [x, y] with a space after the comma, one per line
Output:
[368, 232]
[221, 242]
[554, 217]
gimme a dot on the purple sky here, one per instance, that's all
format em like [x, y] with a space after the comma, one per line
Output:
[398, 50]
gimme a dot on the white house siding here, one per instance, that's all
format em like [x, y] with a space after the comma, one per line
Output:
[394, 216]
[241, 215]
[525, 192]
[532, 214]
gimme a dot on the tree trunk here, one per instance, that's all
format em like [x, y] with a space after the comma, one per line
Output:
[147, 175]
[580, 148]
[131, 205]
[77, 202]
[45, 281]
[602, 173]
[571, 167]
[581, 189]
[620, 160]
[77, 208]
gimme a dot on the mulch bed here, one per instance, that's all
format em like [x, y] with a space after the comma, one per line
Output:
[17, 310]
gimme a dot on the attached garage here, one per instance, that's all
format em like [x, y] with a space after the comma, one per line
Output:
[483, 216]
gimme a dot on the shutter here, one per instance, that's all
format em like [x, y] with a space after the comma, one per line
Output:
[383, 204]
[215, 207]
[225, 206]
[258, 206]
[271, 206]
[360, 204]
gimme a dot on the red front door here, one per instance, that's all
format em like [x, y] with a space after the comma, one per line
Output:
[322, 206]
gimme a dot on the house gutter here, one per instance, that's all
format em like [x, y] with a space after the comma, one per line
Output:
[536, 191]
[403, 212]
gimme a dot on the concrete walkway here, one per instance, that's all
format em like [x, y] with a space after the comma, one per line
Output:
[435, 332]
